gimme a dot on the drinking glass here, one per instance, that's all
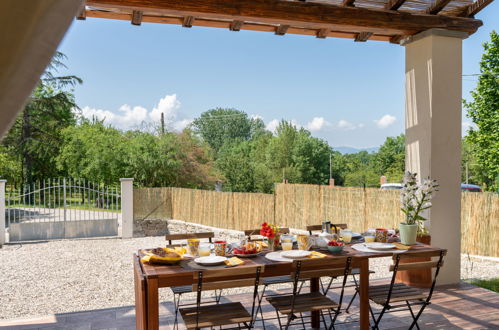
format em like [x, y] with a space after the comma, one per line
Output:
[286, 246]
[368, 238]
[204, 250]
[346, 235]
[304, 242]
[193, 246]
[220, 248]
[286, 239]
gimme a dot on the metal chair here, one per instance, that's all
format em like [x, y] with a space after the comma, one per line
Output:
[253, 235]
[297, 303]
[178, 291]
[227, 313]
[399, 296]
[355, 271]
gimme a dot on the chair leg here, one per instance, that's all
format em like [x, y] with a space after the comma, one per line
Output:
[301, 286]
[176, 304]
[259, 308]
[415, 322]
[351, 301]
[376, 323]
[278, 319]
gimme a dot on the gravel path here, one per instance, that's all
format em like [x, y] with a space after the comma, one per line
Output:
[65, 276]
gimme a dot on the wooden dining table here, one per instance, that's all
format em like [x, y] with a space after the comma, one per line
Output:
[149, 278]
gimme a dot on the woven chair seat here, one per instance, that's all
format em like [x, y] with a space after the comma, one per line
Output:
[181, 289]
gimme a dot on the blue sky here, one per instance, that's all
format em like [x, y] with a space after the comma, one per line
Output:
[351, 94]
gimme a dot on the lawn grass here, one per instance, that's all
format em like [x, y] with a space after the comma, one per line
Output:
[492, 284]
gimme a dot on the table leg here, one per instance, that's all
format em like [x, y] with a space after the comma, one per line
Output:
[152, 304]
[364, 294]
[314, 287]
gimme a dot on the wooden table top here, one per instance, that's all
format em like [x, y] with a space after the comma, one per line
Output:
[173, 275]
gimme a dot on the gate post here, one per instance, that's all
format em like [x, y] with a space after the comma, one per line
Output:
[2, 212]
[126, 207]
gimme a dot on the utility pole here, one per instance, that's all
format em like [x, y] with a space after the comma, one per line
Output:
[162, 123]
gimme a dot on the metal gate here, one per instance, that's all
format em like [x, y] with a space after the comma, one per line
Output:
[62, 208]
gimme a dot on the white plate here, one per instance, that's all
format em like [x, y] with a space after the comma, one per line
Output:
[276, 256]
[294, 254]
[380, 246]
[210, 260]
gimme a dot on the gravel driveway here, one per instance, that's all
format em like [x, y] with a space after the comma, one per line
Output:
[84, 274]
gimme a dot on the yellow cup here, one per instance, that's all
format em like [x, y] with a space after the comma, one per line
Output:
[304, 242]
[286, 246]
[193, 246]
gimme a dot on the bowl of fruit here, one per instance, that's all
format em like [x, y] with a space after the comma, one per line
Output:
[335, 246]
[246, 249]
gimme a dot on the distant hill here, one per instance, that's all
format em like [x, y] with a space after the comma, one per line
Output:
[352, 150]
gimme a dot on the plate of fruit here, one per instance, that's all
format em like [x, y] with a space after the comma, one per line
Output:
[335, 246]
[246, 249]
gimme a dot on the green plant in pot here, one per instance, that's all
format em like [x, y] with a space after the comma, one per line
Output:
[415, 198]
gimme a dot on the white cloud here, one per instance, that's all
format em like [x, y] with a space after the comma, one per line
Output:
[385, 121]
[256, 117]
[272, 125]
[348, 126]
[317, 124]
[129, 117]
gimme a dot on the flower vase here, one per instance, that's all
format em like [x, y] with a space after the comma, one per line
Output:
[408, 233]
[271, 243]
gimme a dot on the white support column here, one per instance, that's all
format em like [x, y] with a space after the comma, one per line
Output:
[2, 212]
[126, 207]
[433, 133]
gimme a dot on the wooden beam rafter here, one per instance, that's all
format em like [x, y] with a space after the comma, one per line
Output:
[363, 36]
[187, 22]
[396, 39]
[476, 7]
[306, 15]
[236, 25]
[322, 33]
[348, 3]
[437, 6]
[281, 30]
[394, 4]
[137, 17]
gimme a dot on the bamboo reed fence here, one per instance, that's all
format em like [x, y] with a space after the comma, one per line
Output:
[296, 206]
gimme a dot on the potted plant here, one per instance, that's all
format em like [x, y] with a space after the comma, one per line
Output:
[415, 198]
[271, 232]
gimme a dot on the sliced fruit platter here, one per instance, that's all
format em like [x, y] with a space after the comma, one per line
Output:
[247, 249]
[165, 256]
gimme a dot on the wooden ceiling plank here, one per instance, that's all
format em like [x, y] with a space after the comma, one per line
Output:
[136, 17]
[394, 4]
[294, 13]
[476, 7]
[396, 39]
[236, 25]
[363, 36]
[281, 30]
[437, 6]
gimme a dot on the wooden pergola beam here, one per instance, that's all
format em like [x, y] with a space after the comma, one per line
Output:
[136, 17]
[322, 33]
[187, 22]
[348, 3]
[296, 13]
[394, 4]
[363, 36]
[476, 7]
[236, 25]
[437, 6]
[281, 30]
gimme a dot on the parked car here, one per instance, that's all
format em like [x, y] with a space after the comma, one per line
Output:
[391, 186]
[470, 187]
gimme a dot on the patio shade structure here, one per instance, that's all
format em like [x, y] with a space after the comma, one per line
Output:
[431, 31]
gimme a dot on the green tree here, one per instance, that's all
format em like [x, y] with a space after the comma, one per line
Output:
[390, 158]
[35, 138]
[484, 111]
[219, 126]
